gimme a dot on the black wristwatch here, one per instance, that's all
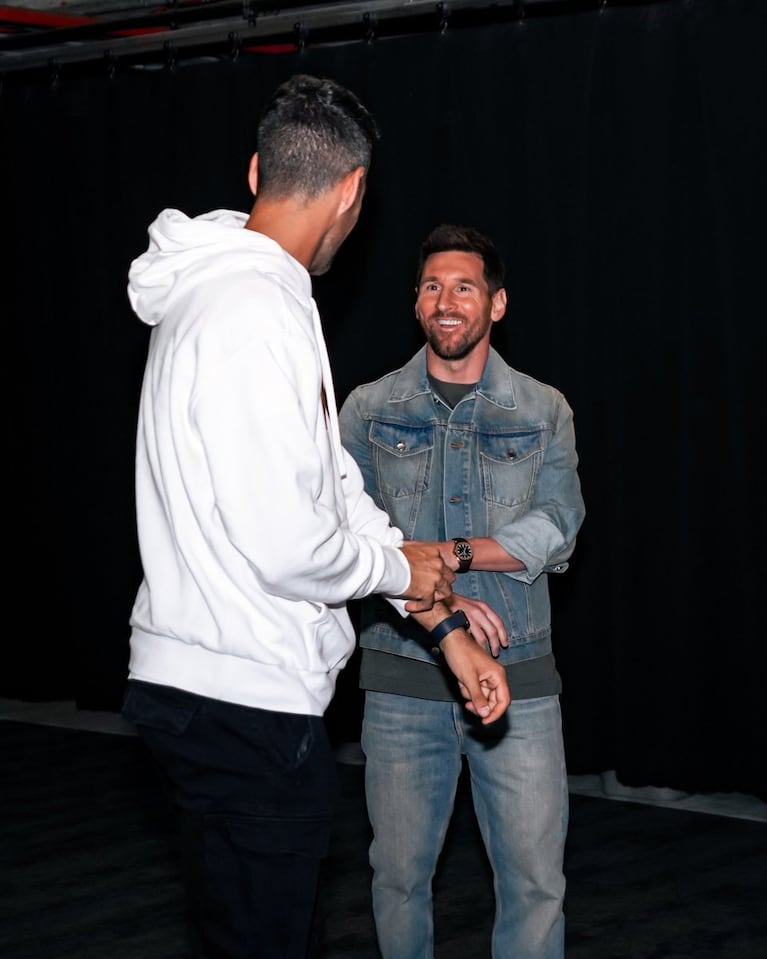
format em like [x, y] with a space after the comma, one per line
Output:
[457, 620]
[463, 551]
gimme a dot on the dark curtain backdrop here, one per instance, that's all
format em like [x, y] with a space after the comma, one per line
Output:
[617, 157]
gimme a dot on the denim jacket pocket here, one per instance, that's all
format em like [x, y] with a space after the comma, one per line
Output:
[403, 457]
[509, 465]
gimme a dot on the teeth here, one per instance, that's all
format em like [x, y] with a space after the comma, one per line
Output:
[449, 322]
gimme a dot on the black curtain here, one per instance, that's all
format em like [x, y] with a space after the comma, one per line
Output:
[617, 157]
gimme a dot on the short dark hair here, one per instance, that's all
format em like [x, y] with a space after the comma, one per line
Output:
[311, 134]
[464, 239]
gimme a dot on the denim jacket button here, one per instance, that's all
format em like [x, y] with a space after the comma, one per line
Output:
[401, 446]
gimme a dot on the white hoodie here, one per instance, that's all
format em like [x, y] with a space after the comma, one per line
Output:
[254, 527]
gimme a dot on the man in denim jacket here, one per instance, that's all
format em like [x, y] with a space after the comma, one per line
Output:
[460, 448]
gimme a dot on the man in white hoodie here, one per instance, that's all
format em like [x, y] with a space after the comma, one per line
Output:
[255, 530]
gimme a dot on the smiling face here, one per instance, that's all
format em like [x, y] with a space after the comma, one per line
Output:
[455, 307]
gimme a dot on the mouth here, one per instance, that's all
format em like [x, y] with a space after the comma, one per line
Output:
[447, 322]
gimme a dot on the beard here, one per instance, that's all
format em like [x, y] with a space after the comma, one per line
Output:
[323, 259]
[454, 347]
[332, 241]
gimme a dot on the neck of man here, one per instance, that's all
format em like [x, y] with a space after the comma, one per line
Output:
[299, 226]
[468, 369]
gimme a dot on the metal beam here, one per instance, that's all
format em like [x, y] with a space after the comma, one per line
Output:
[229, 28]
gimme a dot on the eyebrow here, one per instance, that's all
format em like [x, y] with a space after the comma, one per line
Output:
[461, 279]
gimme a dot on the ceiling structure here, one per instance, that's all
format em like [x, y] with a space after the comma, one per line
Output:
[51, 34]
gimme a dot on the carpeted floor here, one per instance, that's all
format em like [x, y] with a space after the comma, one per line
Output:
[88, 871]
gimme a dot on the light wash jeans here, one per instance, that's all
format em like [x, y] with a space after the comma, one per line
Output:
[413, 751]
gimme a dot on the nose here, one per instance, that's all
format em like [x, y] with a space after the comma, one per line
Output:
[444, 301]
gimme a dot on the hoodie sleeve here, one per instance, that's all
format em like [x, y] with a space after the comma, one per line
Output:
[276, 488]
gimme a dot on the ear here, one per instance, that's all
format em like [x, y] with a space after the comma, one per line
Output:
[350, 187]
[498, 305]
[253, 174]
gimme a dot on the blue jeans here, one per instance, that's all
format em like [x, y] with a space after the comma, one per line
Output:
[414, 750]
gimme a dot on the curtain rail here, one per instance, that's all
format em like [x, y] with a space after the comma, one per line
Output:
[144, 38]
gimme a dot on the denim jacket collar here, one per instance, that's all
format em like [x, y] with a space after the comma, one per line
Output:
[495, 385]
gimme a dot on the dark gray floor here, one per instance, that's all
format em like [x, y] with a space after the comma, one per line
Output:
[88, 867]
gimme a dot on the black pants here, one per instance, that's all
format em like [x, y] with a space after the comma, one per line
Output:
[255, 792]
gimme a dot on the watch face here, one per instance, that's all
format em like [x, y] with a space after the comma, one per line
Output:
[462, 550]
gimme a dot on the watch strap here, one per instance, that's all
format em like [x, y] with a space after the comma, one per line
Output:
[458, 620]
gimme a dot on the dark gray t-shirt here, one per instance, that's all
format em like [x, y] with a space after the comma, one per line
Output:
[387, 673]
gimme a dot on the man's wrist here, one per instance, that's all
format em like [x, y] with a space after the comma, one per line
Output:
[463, 552]
[433, 638]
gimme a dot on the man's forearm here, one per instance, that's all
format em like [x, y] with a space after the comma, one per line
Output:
[489, 555]
[431, 617]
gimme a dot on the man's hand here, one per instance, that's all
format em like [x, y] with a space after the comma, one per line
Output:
[481, 679]
[430, 577]
[486, 626]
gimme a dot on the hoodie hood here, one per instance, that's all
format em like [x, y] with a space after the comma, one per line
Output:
[185, 251]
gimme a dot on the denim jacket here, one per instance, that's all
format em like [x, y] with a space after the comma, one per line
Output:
[502, 464]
